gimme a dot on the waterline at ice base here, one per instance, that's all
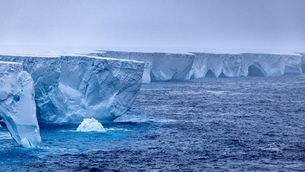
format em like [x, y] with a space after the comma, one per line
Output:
[68, 89]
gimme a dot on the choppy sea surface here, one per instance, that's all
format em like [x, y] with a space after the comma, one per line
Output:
[239, 124]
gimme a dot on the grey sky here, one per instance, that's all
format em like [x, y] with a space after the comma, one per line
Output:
[181, 24]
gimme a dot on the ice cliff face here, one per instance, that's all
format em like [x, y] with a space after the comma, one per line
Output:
[69, 89]
[158, 66]
[239, 65]
[169, 67]
[17, 105]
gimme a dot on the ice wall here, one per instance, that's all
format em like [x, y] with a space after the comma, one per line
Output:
[17, 105]
[158, 66]
[246, 64]
[71, 88]
[173, 66]
[145, 57]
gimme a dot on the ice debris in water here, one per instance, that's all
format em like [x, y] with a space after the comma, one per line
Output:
[89, 125]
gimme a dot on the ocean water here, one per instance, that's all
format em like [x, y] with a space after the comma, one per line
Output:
[236, 124]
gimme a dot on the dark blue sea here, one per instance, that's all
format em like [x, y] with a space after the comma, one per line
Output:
[236, 124]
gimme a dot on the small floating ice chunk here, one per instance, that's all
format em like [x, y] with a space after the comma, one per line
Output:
[89, 125]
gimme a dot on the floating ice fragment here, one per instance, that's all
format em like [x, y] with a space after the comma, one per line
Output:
[89, 125]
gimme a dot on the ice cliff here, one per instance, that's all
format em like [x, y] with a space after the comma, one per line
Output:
[71, 88]
[17, 105]
[187, 66]
[242, 65]
[158, 66]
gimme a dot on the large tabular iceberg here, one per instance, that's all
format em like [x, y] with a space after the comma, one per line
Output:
[17, 105]
[71, 88]
[187, 66]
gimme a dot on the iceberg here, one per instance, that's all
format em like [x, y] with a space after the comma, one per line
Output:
[90, 125]
[71, 88]
[17, 105]
[188, 66]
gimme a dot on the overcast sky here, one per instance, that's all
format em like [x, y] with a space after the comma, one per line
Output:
[175, 24]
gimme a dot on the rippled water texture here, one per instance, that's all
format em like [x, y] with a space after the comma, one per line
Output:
[215, 124]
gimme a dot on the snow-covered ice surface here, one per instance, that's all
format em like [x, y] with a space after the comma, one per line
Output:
[90, 125]
[225, 124]
[188, 66]
[17, 105]
[70, 88]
